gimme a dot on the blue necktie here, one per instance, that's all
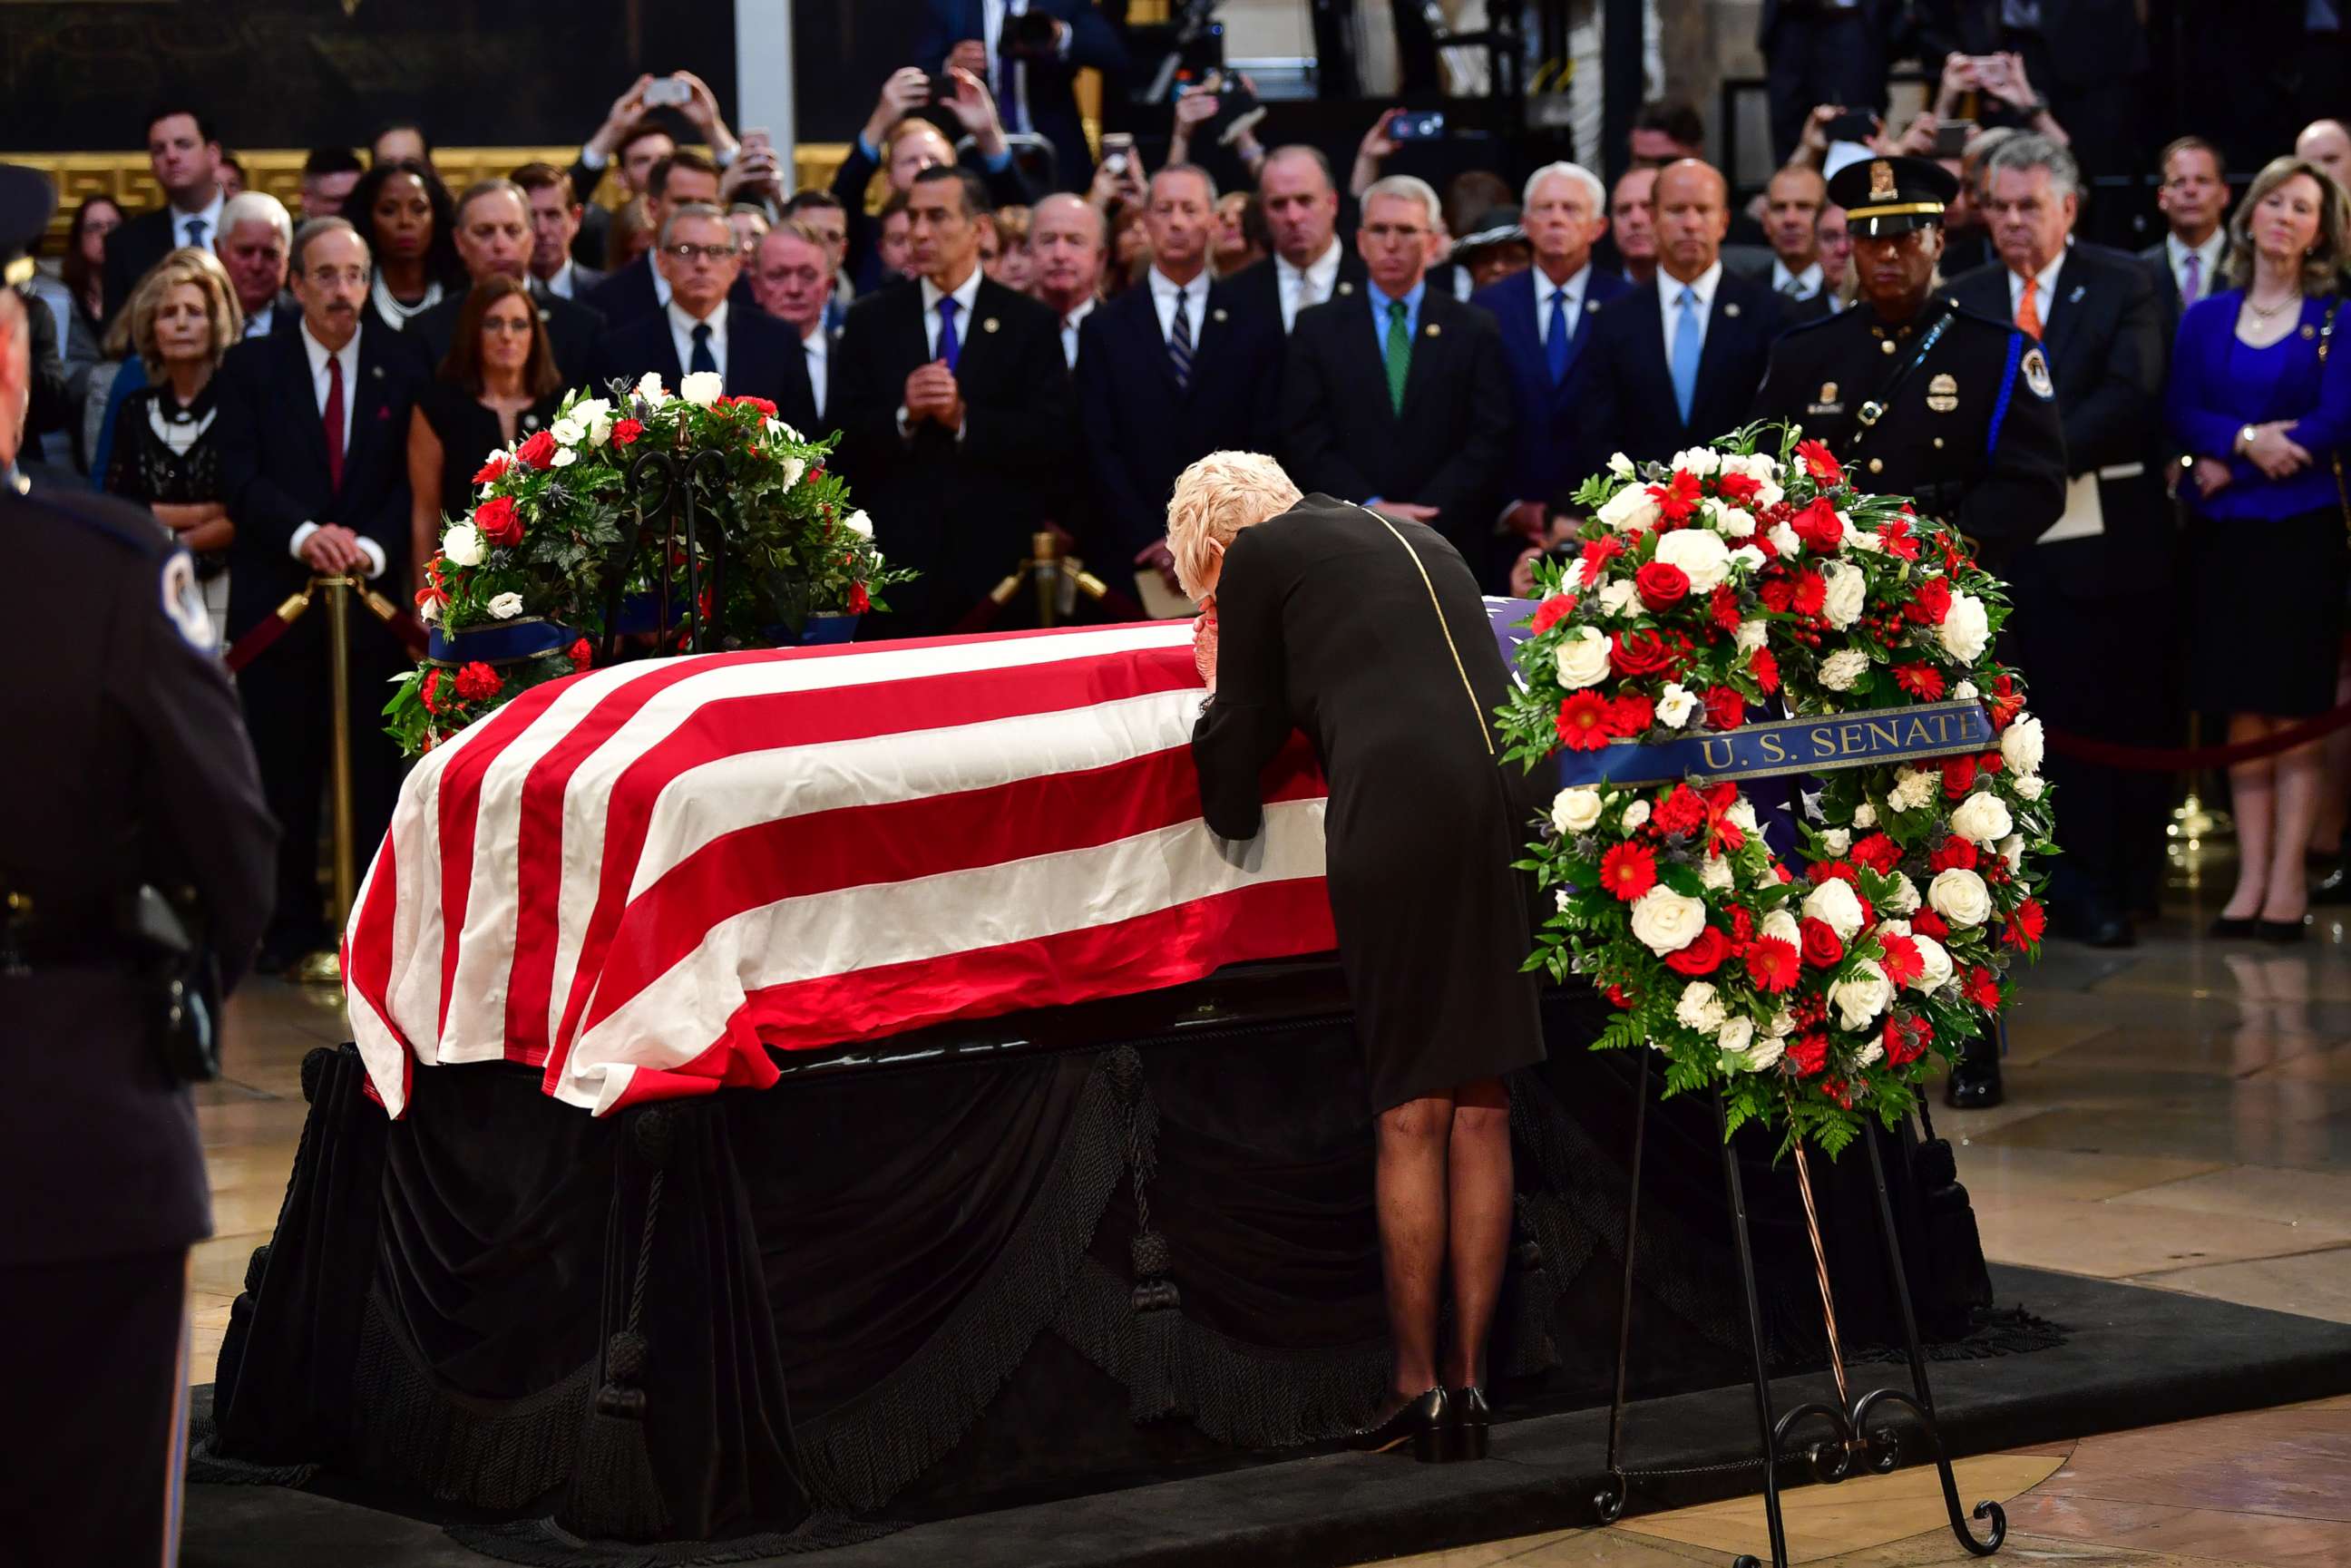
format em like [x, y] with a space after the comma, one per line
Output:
[1561, 331]
[1686, 352]
[950, 348]
[702, 359]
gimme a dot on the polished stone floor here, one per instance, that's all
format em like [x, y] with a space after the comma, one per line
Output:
[2178, 1117]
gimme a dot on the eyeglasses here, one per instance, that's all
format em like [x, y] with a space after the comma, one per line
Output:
[713, 253]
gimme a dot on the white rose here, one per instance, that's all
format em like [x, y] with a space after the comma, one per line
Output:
[1630, 509]
[1861, 539]
[2029, 787]
[599, 431]
[2011, 849]
[1841, 671]
[1699, 461]
[1675, 706]
[1704, 558]
[1848, 595]
[1861, 994]
[2021, 745]
[1837, 841]
[1965, 631]
[1575, 810]
[1904, 899]
[1749, 557]
[1769, 496]
[1870, 1055]
[1981, 819]
[1958, 896]
[651, 389]
[1714, 872]
[1737, 1035]
[1836, 906]
[1965, 691]
[1781, 925]
[589, 410]
[1637, 816]
[1783, 540]
[506, 606]
[1620, 466]
[1751, 635]
[701, 388]
[1741, 816]
[1666, 921]
[1730, 520]
[565, 457]
[1913, 787]
[792, 468]
[567, 431]
[1616, 597]
[463, 545]
[1935, 971]
[1765, 1056]
[1582, 658]
[1700, 1009]
[858, 523]
[1781, 1026]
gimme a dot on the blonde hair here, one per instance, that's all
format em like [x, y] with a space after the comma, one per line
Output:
[2327, 253]
[200, 269]
[1214, 499]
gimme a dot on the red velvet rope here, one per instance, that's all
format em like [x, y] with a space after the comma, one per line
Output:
[2159, 759]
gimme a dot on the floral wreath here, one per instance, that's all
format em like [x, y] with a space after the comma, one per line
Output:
[1747, 580]
[517, 595]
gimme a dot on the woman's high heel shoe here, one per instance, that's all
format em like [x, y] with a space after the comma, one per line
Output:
[1472, 1417]
[1426, 1423]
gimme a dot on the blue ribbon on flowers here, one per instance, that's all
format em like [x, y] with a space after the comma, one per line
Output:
[1779, 747]
[500, 643]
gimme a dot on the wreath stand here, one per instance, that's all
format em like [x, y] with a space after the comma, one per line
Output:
[673, 506]
[1832, 1456]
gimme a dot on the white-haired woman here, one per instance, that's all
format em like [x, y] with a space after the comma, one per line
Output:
[1368, 634]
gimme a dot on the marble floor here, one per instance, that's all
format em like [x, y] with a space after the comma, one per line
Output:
[2178, 1117]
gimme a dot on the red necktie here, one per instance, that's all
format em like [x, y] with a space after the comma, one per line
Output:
[334, 418]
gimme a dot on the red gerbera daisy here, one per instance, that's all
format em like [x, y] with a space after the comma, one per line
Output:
[1812, 592]
[1628, 871]
[1982, 988]
[1765, 669]
[1678, 497]
[1895, 538]
[2025, 927]
[1921, 681]
[1583, 722]
[1820, 463]
[1597, 555]
[1723, 607]
[1901, 960]
[1773, 964]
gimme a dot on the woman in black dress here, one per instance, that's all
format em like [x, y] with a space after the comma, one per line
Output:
[1369, 634]
[406, 214]
[498, 386]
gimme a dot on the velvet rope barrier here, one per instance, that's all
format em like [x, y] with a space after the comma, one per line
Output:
[2180, 759]
[264, 633]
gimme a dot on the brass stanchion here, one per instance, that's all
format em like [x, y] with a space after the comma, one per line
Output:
[326, 968]
[1058, 580]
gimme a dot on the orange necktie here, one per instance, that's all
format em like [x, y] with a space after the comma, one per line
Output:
[2028, 314]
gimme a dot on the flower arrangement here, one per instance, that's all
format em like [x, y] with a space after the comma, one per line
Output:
[518, 593]
[1751, 577]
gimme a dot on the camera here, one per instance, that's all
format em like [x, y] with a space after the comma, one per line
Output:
[667, 92]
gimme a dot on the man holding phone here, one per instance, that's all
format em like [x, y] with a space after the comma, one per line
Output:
[1029, 52]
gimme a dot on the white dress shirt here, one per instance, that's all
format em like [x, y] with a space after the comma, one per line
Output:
[965, 293]
[1547, 314]
[2209, 256]
[1320, 276]
[348, 356]
[818, 342]
[1069, 325]
[1670, 295]
[1807, 282]
[1164, 292]
[563, 282]
[681, 333]
[2044, 290]
[257, 325]
[210, 217]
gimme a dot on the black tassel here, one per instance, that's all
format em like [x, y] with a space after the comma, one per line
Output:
[1158, 1316]
[614, 1493]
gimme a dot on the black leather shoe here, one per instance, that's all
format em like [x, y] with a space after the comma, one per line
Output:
[1426, 1423]
[2281, 931]
[1473, 1419]
[1974, 1084]
[2224, 929]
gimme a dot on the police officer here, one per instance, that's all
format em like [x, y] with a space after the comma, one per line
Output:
[130, 769]
[1920, 397]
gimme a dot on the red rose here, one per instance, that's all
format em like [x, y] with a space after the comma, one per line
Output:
[1771, 964]
[478, 682]
[626, 431]
[1822, 948]
[488, 472]
[860, 601]
[1704, 955]
[1630, 714]
[1879, 853]
[539, 451]
[1765, 669]
[1738, 486]
[1930, 602]
[1677, 497]
[1955, 853]
[1901, 960]
[2026, 925]
[1818, 527]
[1636, 653]
[1958, 777]
[499, 522]
[1725, 708]
[1661, 585]
[431, 691]
[1809, 1055]
[1926, 923]
[1619, 996]
[1551, 611]
[1628, 871]
[1682, 811]
[1906, 1038]
[1597, 555]
[1921, 681]
[1982, 988]
[1583, 722]
[1820, 463]
[580, 655]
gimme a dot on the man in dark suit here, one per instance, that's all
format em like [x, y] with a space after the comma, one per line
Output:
[1676, 364]
[639, 289]
[629, 143]
[494, 239]
[792, 274]
[1029, 52]
[954, 400]
[2194, 197]
[1399, 396]
[1310, 264]
[185, 158]
[2092, 597]
[702, 329]
[1548, 315]
[1164, 378]
[313, 433]
[555, 218]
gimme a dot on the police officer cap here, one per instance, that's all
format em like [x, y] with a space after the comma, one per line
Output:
[1882, 197]
[27, 201]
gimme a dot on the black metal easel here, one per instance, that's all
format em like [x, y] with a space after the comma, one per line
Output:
[673, 505]
[1830, 1458]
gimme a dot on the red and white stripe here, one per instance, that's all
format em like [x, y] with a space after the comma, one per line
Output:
[644, 878]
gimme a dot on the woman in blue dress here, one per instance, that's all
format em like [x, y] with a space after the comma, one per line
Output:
[2259, 401]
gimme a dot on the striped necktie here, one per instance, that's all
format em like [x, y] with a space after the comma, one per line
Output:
[1179, 343]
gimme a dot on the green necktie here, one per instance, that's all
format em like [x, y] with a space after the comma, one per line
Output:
[1399, 354]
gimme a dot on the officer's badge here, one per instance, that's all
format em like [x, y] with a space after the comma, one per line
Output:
[1828, 392]
[1943, 393]
[1882, 187]
[184, 602]
[2036, 374]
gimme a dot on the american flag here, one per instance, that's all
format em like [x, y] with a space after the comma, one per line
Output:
[642, 879]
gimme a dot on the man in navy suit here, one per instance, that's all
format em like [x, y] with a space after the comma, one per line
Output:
[314, 444]
[1547, 314]
[2187, 260]
[1397, 396]
[1029, 53]
[704, 329]
[639, 289]
[1166, 376]
[1676, 364]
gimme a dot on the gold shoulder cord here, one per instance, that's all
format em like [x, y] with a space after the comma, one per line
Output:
[1484, 733]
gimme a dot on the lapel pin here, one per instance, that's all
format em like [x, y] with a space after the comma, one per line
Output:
[1731, 311]
[1590, 305]
[377, 372]
[2079, 290]
[1345, 287]
[2307, 331]
[1432, 330]
[989, 325]
[1218, 314]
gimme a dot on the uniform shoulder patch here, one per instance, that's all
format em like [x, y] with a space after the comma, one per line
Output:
[184, 602]
[2036, 374]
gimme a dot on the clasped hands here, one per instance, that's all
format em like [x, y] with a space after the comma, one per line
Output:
[932, 393]
[333, 550]
[1204, 640]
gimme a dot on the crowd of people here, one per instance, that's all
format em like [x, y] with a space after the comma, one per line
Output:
[308, 392]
